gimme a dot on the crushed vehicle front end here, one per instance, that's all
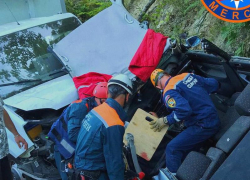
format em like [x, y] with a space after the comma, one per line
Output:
[35, 88]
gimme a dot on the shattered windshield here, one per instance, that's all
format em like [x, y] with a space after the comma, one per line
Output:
[24, 57]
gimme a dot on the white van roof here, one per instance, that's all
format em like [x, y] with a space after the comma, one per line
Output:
[24, 24]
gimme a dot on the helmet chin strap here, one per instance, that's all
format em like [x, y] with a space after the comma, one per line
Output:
[99, 100]
[125, 101]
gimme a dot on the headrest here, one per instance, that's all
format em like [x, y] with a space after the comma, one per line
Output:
[242, 103]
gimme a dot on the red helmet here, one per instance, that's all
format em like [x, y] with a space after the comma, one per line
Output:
[101, 90]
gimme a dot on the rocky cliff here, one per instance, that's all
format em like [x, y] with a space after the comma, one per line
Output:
[172, 18]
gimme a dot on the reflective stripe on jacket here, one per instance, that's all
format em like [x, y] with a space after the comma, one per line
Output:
[100, 141]
[59, 130]
[58, 134]
[186, 96]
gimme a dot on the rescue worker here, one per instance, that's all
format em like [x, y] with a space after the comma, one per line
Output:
[72, 118]
[186, 96]
[100, 141]
[79, 109]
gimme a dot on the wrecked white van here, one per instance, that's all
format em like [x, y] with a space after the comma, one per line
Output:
[31, 79]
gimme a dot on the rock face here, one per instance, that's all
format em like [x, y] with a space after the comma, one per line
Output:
[172, 18]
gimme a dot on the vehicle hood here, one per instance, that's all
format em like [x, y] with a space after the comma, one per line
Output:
[106, 43]
[53, 94]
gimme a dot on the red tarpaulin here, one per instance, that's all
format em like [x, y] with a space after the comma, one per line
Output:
[148, 55]
[86, 83]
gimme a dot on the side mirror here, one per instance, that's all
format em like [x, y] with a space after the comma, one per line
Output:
[193, 41]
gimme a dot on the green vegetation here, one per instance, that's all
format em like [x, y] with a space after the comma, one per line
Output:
[85, 9]
[177, 15]
[237, 36]
[174, 17]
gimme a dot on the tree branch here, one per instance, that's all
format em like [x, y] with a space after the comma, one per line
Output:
[145, 9]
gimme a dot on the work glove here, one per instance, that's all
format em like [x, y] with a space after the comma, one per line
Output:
[158, 124]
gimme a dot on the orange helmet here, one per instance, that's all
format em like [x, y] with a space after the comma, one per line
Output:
[101, 90]
[155, 76]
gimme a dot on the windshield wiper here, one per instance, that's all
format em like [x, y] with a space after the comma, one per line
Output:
[21, 82]
[58, 71]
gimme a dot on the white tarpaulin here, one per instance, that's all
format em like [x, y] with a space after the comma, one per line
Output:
[106, 43]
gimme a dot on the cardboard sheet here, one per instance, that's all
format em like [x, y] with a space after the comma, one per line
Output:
[145, 139]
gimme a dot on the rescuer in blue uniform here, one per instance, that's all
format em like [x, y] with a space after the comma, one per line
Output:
[186, 96]
[79, 109]
[100, 141]
[65, 130]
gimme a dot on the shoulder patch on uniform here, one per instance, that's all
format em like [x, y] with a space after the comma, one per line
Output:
[171, 102]
[166, 98]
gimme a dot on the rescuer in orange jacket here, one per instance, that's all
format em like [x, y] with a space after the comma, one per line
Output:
[99, 145]
[65, 130]
[186, 96]
[80, 108]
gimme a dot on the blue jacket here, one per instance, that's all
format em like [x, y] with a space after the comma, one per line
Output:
[76, 113]
[100, 141]
[70, 121]
[58, 134]
[186, 96]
